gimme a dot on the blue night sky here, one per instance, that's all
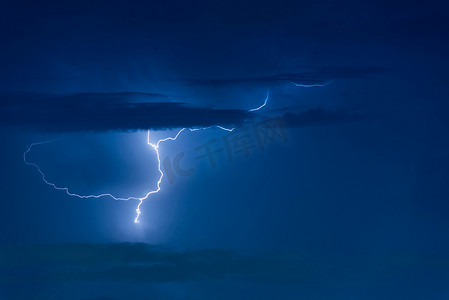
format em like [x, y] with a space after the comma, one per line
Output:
[337, 188]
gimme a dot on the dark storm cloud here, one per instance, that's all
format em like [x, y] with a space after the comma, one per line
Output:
[315, 75]
[107, 111]
[135, 111]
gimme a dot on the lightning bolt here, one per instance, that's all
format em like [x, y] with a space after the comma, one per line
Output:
[310, 85]
[155, 147]
[65, 189]
[264, 103]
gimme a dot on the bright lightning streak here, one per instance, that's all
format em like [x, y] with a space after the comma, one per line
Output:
[66, 189]
[310, 85]
[156, 149]
[214, 126]
[265, 103]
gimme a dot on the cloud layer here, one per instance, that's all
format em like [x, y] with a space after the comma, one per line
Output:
[136, 111]
[143, 263]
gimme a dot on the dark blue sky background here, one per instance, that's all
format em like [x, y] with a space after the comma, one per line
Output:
[353, 205]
